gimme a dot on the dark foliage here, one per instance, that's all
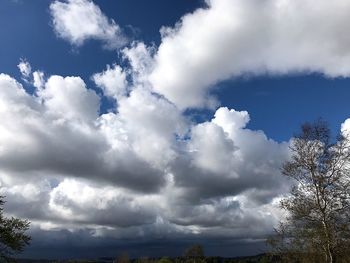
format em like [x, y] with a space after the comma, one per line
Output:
[13, 237]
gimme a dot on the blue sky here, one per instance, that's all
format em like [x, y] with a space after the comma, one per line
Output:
[272, 101]
[156, 123]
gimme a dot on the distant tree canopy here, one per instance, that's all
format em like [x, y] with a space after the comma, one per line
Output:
[164, 260]
[195, 253]
[13, 237]
[317, 226]
[123, 258]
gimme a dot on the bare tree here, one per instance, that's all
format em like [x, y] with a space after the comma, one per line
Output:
[318, 207]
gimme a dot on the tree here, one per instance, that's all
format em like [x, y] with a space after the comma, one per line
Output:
[194, 253]
[317, 225]
[13, 238]
[164, 260]
[123, 258]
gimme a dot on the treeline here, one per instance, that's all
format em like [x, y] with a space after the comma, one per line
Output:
[195, 254]
[263, 258]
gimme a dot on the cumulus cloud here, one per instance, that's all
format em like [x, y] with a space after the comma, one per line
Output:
[69, 98]
[224, 158]
[59, 132]
[112, 81]
[233, 38]
[142, 170]
[80, 20]
[145, 170]
[140, 58]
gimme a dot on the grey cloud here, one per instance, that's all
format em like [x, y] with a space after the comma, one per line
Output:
[64, 143]
[58, 244]
[240, 156]
[144, 172]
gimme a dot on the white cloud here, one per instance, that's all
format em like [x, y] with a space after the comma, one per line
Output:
[208, 138]
[25, 68]
[234, 38]
[74, 200]
[112, 81]
[80, 20]
[140, 58]
[345, 127]
[69, 98]
[38, 79]
[152, 124]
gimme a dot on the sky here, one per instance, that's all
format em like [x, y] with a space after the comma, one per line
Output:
[148, 126]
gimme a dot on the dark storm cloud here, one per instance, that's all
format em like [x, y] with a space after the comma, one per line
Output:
[59, 245]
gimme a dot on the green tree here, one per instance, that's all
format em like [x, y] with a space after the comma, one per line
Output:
[318, 208]
[13, 237]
